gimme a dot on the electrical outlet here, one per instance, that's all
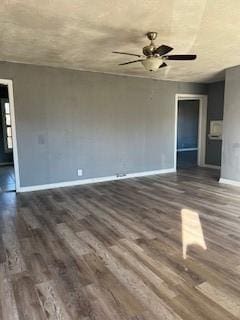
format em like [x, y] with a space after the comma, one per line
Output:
[79, 172]
[120, 175]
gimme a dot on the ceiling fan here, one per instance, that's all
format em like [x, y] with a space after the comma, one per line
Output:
[154, 57]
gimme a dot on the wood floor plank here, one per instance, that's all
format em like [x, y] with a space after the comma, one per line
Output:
[80, 248]
[143, 271]
[106, 303]
[14, 259]
[51, 303]
[123, 250]
[132, 282]
[224, 298]
[155, 265]
[8, 303]
[26, 297]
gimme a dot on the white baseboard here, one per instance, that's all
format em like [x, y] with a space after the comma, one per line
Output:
[211, 166]
[93, 180]
[230, 182]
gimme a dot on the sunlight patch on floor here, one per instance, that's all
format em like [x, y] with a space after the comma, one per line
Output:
[192, 233]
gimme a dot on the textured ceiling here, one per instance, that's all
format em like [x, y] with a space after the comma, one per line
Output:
[81, 34]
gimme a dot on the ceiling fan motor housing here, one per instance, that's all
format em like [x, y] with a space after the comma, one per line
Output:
[148, 50]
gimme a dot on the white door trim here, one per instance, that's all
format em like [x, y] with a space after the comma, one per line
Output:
[9, 84]
[202, 125]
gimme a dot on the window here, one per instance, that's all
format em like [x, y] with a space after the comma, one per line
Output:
[7, 126]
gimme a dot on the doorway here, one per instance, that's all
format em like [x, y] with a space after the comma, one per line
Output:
[9, 168]
[187, 134]
[7, 176]
[190, 130]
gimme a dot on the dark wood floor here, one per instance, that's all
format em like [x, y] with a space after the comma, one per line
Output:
[7, 178]
[161, 247]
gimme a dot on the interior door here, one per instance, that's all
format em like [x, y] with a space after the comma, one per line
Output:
[187, 133]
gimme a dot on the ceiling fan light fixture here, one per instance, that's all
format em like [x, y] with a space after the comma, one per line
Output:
[154, 58]
[152, 63]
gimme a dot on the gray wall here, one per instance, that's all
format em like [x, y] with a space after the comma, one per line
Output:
[231, 126]
[5, 157]
[215, 112]
[103, 124]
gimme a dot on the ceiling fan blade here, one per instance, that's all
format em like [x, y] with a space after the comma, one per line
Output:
[122, 64]
[163, 65]
[181, 57]
[163, 49]
[129, 54]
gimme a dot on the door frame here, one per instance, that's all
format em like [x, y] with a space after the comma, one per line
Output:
[202, 125]
[9, 84]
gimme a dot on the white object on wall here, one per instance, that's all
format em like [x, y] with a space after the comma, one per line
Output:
[79, 172]
[215, 130]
